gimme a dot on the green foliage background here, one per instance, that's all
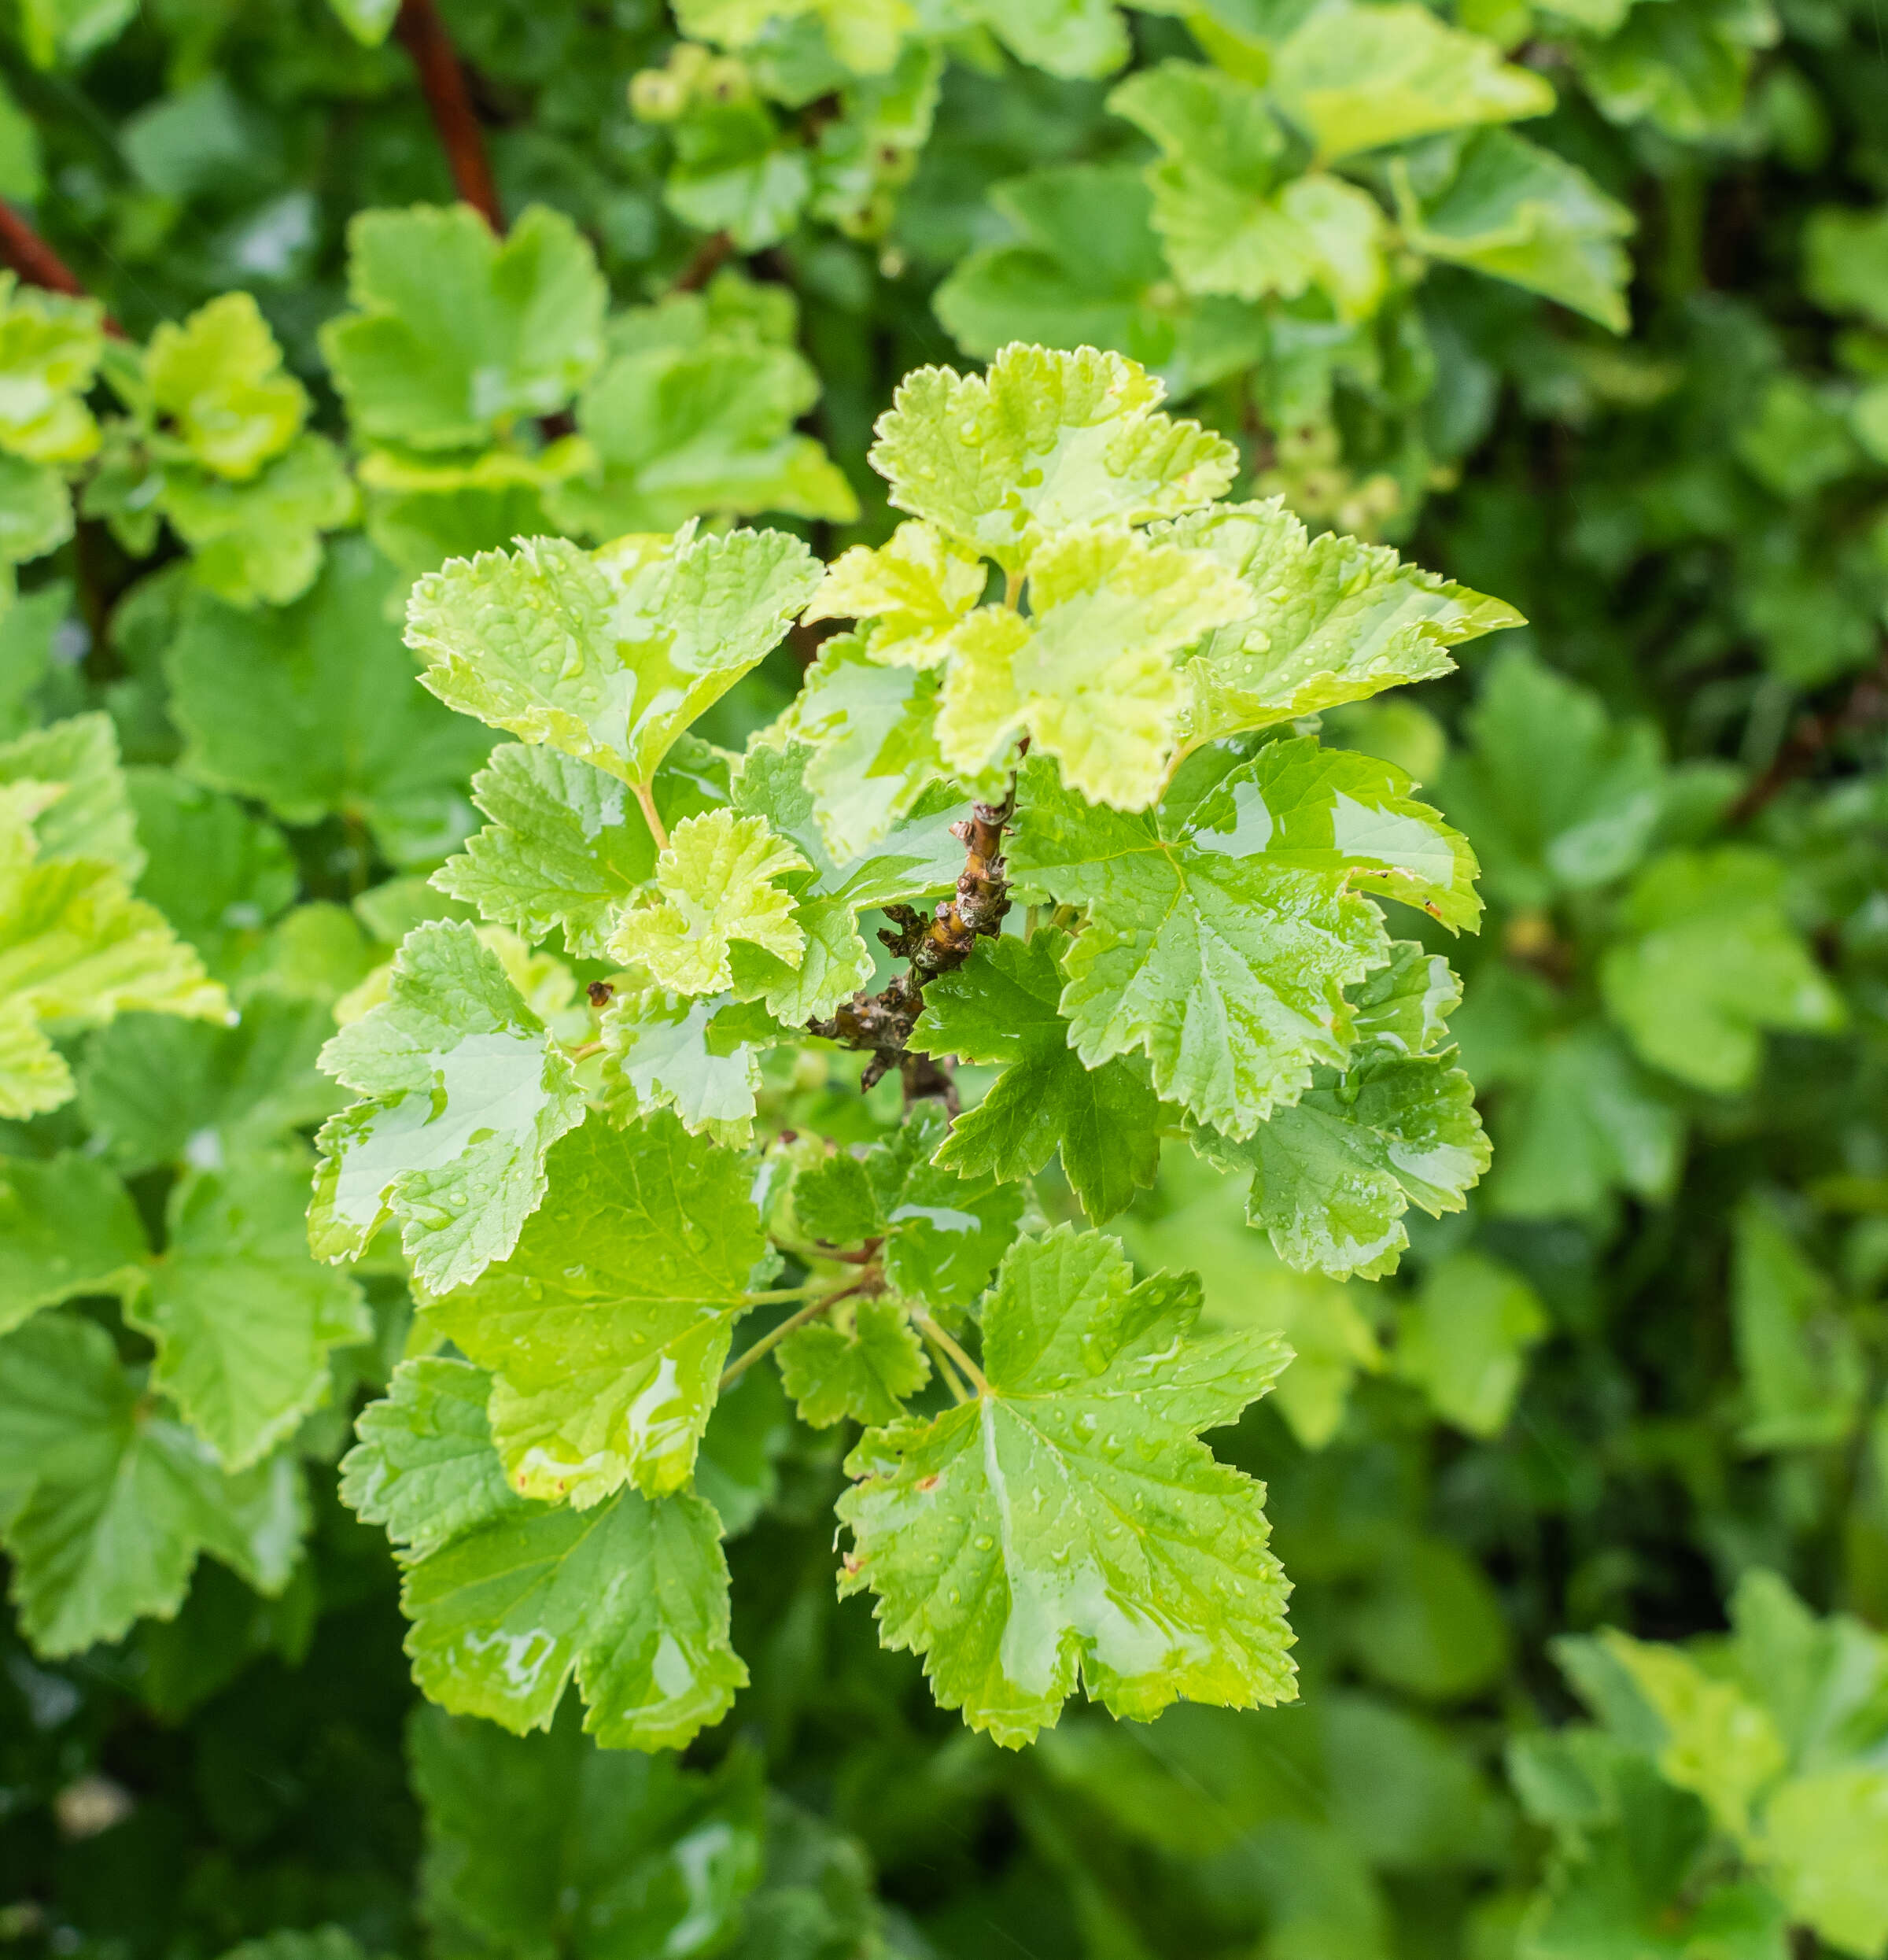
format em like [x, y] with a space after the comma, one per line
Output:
[1625, 365]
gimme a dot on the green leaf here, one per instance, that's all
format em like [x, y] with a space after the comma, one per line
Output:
[75, 949]
[872, 731]
[1002, 1006]
[716, 881]
[1334, 1172]
[35, 510]
[67, 1228]
[91, 817]
[607, 655]
[1076, 39]
[864, 35]
[942, 1233]
[737, 1470]
[1359, 77]
[705, 426]
[860, 1364]
[67, 31]
[529, 1838]
[328, 720]
[217, 379]
[155, 1089]
[260, 541]
[105, 1500]
[219, 875]
[1556, 798]
[1823, 1838]
[369, 21]
[458, 333]
[1804, 1376]
[1509, 208]
[1405, 1006]
[1089, 677]
[50, 347]
[1234, 216]
[606, 1330]
[1707, 958]
[1224, 928]
[1846, 261]
[1464, 1340]
[1067, 1519]
[631, 1598]
[1326, 620]
[243, 1319]
[1088, 271]
[1045, 441]
[1682, 65]
[667, 1050]
[468, 1093]
[914, 588]
[425, 1468]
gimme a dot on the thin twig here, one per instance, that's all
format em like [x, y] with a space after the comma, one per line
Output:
[39, 264]
[645, 795]
[794, 1322]
[710, 256]
[423, 34]
[931, 1332]
[1867, 702]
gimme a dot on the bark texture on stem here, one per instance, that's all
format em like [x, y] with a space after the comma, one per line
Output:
[423, 34]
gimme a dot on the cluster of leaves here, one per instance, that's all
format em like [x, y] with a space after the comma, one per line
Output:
[614, 1284]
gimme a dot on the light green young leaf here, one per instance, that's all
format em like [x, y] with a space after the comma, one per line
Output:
[243, 1319]
[1334, 1172]
[716, 882]
[468, 1091]
[457, 333]
[1088, 270]
[1077, 40]
[369, 21]
[680, 431]
[530, 1837]
[913, 589]
[864, 35]
[996, 1536]
[1404, 1007]
[218, 380]
[328, 720]
[105, 1499]
[872, 731]
[1235, 216]
[1804, 1376]
[942, 1233]
[1464, 1340]
[75, 949]
[50, 347]
[425, 1468]
[67, 1227]
[1090, 676]
[1358, 77]
[1002, 1006]
[606, 1330]
[1326, 620]
[668, 1052]
[1224, 928]
[1519, 213]
[608, 655]
[1822, 1844]
[91, 817]
[1045, 441]
[630, 1597]
[35, 512]
[1556, 798]
[858, 1365]
[1706, 959]
[259, 542]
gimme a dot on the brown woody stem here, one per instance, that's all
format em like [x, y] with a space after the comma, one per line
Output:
[709, 256]
[1867, 702]
[423, 34]
[39, 264]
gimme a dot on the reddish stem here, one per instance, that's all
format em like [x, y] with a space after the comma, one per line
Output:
[39, 264]
[710, 256]
[422, 33]
[1813, 734]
